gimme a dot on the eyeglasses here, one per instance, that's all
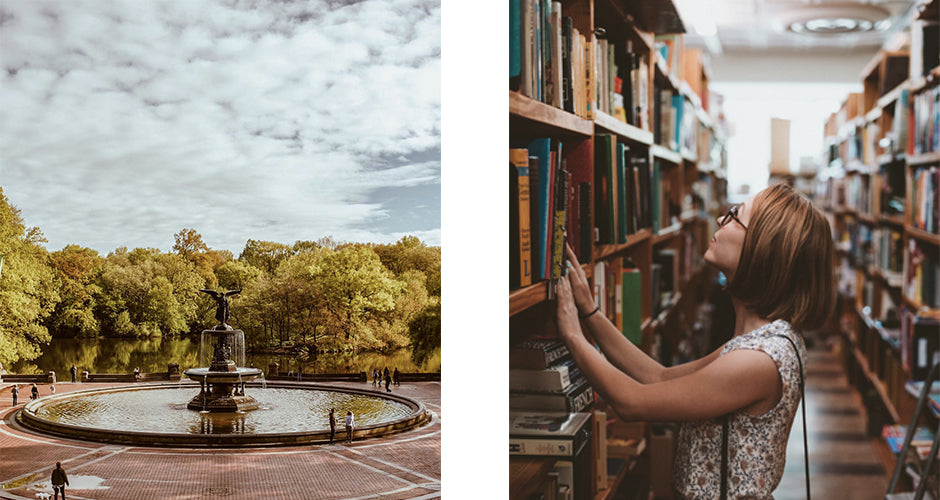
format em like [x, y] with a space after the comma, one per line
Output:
[732, 214]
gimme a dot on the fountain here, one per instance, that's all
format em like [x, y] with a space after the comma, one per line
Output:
[221, 414]
[222, 384]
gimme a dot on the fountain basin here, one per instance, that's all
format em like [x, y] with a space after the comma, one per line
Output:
[222, 391]
[289, 413]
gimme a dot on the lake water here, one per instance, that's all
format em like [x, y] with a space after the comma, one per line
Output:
[153, 355]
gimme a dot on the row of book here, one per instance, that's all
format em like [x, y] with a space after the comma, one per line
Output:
[622, 83]
[921, 441]
[925, 122]
[925, 193]
[919, 343]
[921, 274]
[550, 60]
[622, 176]
[549, 205]
[888, 250]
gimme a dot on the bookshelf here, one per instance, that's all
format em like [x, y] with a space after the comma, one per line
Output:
[639, 153]
[880, 192]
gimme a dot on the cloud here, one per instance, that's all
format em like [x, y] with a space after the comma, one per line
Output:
[127, 121]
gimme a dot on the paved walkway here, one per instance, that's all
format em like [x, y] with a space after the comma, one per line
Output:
[400, 466]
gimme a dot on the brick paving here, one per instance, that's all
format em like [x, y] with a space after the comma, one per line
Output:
[397, 467]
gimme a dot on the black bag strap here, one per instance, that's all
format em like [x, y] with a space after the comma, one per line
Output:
[725, 428]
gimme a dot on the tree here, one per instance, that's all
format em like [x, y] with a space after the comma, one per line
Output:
[265, 255]
[188, 243]
[409, 253]
[425, 333]
[146, 293]
[27, 291]
[76, 274]
[355, 286]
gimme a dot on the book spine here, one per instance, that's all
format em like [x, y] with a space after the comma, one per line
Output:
[541, 447]
[520, 229]
[554, 379]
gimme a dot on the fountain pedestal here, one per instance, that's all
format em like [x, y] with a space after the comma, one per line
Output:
[222, 384]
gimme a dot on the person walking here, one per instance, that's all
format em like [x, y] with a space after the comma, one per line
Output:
[332, 424]
[136, 373]
[59, 480]
[74, 371]
[350, 422]
[395, 379]
[34, 392]
[16, 393]
[388, 381]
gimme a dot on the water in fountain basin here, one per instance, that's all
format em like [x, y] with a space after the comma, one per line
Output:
[164, 410]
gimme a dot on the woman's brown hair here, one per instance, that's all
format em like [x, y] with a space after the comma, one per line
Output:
[786, 270]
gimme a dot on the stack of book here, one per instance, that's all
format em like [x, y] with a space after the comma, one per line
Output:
[549, 414]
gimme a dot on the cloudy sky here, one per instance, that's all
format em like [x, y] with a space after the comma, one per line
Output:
[124, 122]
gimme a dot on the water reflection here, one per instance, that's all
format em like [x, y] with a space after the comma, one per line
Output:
[153, 355]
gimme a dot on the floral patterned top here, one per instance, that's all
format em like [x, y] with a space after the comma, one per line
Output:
[757, 445]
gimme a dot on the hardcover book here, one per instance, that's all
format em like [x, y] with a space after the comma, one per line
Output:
[579, 396]
[548, 433]
[537, 354]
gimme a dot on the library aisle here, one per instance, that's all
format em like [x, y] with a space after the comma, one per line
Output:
[843, 459]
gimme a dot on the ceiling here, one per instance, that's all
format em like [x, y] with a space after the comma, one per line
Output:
[749, 38]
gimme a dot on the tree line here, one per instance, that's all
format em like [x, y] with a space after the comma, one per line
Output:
[319, 294]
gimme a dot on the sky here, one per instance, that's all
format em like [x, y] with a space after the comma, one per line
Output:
[124, 122]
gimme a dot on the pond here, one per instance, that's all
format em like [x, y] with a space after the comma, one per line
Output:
[106, 355]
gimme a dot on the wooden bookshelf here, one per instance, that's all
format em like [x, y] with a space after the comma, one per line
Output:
[693, 168]
[875, 241]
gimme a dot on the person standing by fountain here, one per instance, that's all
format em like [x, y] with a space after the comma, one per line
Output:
[34, 392]
[59, 480]
[16, 393]
[332, 424]
[74, 371]
[350, 421]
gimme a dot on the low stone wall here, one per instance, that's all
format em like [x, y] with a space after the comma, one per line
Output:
[15, 378]
[318, 377]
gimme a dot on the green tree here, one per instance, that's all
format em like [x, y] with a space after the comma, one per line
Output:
[27, 291]
[146, 293]
[355, 286]
[409, 253]
[425, 332]
[76, 274]
[265, 255]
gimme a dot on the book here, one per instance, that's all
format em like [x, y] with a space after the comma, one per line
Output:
[515, 44]
[537, 354]
[632, 286]
[668, 259]
[548, 433]
[621, 152]
[600, 447]
[925, 351]
[555, 378]
[520, 242]
[565, 471]
[540, 148]
[579, 396]
[605, 180]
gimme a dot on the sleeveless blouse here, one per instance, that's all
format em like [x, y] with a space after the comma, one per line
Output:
[757, 445]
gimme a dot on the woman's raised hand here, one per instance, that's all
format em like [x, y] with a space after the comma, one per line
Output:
[580, 289]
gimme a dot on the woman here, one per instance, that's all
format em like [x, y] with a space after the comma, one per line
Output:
[775, 249]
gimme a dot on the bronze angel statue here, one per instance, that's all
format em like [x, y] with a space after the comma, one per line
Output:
[221, 300]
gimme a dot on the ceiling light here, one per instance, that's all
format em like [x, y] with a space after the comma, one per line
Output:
[831, 26]
[833, 19]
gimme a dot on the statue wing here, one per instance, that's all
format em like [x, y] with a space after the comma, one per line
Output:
[232, 292]
[213, 293]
